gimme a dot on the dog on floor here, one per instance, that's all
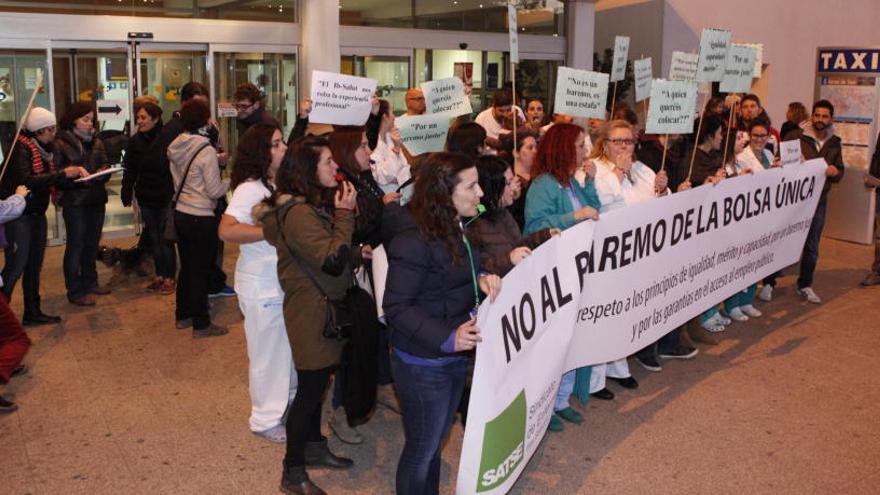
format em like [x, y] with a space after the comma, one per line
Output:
[127, 263]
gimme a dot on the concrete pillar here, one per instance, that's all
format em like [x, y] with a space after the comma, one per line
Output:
[580, 33]
[319, 20]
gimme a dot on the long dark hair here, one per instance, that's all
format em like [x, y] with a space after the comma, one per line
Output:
[254, 155]
[491, 170]
[297, 174]
[344, 142]
[466, 138]
[432, 206]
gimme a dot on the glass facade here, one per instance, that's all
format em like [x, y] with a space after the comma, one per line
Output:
[251, 10]
[534, 16]
[390, 72]
[273, 73]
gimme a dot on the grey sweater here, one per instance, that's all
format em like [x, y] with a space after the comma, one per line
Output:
[203, 185]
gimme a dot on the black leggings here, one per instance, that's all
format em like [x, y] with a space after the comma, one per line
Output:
[304, 420]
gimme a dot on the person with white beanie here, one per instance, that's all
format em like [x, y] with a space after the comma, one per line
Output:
[32, 164]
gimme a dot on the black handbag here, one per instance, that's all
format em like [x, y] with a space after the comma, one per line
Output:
[169, 233]
[339, 319]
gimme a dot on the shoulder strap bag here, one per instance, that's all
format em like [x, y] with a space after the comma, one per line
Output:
[169, 232]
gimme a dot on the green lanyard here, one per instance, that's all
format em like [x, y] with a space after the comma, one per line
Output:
[470, 253]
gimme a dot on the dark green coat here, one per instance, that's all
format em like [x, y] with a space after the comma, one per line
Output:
[321, 244]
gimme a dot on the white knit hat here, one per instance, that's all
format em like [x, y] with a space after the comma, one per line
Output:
[39, 118]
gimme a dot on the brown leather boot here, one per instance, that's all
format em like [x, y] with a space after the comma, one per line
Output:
[295, 481]
[694, 334]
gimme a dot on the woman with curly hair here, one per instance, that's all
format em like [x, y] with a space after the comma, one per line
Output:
[431, 293]
[272, 380]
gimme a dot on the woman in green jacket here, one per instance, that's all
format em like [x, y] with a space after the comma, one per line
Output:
[562, 194]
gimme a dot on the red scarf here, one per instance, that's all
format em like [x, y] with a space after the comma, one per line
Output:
[37, 163]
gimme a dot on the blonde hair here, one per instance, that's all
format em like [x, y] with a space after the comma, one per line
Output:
[141, 100]
[599, 150]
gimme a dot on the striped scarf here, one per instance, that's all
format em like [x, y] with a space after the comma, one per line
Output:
[37, 163]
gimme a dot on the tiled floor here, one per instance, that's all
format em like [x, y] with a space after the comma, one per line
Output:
[118, 401]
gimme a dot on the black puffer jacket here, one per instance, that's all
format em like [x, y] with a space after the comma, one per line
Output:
[146, 174]
[71, 150]
[427, 296]
[20, 172]
[368, 221]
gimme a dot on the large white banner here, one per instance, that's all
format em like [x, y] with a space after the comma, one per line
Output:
[604, 290]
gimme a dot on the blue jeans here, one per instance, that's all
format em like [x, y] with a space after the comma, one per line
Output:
[25, 247]
[83, 225]
[428, 399]
[810, 256]
[162, 251]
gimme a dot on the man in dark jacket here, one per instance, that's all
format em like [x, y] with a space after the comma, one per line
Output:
[872, 180]
[818, 141]
[217, 286]
[32, 165]
[249, 103]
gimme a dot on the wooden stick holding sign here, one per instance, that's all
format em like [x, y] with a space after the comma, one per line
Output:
[24, 117]
[671, 110]
[696, 145]
[730, 122]
[513, 27]
[665, 146]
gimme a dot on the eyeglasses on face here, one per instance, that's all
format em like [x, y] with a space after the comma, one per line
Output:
[623, 142]
[759, 136]
[244, 106]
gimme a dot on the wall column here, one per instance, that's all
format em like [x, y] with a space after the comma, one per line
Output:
[319, 21]
[579, 33]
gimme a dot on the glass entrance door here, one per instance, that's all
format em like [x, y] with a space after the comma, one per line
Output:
[163, 71]
[99, 77]
[391, 71]
[273, 73]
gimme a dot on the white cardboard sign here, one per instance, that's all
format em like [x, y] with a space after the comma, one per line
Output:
[581, 93]
[512, 28]
[618, 62]
[714, 47]
[683, 66]
[643, 74]
[112, 110]
[340, 99]
[673, 104]
[738, 73]
[790, 152]
[446, 96]
[423, 133]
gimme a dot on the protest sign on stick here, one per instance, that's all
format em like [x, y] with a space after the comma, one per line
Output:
[714, 47]
[423, 133]
[340, 99]
[446, 96]
[738, 72]
[643, 74]
[512, 24]
[683, 66]
[672, 107]
[581, 93]
[618, 66]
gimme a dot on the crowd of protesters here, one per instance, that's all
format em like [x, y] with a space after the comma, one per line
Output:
[310, 210]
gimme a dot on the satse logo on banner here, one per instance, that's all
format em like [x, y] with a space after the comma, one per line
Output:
[503, 444]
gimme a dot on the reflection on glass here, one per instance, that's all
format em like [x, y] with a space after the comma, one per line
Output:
[534, 16]
[163, 74]
[390, 72]
[274, 74]
[253, 10]
[19, 76]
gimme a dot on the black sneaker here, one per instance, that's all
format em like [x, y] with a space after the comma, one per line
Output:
[649, 363]
[680, 352]
[7, 406]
